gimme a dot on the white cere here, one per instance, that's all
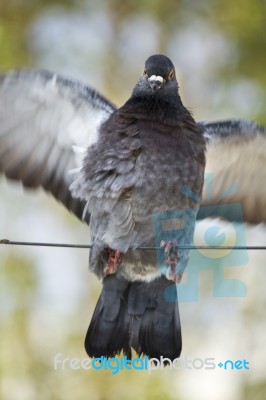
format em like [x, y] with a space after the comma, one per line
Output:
[156, 78]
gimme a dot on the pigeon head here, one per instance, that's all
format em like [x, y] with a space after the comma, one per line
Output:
[158, 77]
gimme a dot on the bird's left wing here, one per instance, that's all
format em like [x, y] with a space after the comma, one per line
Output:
[235, 170]
[45, 120]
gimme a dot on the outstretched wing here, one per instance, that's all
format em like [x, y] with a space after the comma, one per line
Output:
[43, 115]
[45, 119]
[236, 169]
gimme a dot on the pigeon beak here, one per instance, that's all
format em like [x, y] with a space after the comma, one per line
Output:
[156, 82]
[155, 85]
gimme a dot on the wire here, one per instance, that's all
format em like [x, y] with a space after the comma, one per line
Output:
[89, 246]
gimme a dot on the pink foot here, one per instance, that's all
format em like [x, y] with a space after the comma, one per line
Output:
[115, 258]
[171, 259]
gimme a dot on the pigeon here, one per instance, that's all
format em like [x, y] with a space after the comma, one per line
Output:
[135, 174]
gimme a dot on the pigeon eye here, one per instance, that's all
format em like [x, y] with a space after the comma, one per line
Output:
[171, 75]
[145, 73]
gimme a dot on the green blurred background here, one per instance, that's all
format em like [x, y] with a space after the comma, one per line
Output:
[47, 295]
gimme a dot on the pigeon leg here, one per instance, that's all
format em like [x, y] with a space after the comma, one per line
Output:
[171, 259]
[115, 258]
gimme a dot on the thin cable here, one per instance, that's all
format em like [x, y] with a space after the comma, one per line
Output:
[89, 246]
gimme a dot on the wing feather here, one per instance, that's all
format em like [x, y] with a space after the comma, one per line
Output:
[236, 168]
[42, 116]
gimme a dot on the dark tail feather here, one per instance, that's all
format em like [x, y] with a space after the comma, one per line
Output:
[108, 333]
[156, 329]
[135, 315]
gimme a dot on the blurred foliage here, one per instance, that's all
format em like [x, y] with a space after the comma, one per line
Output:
[244, 23]
[255, 391]
[15, 17]
[27, 346]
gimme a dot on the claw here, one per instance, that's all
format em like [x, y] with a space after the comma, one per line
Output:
[115, 258]
[171, 259]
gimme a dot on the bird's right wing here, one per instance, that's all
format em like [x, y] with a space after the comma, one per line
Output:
[45, 119]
